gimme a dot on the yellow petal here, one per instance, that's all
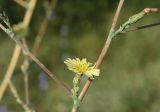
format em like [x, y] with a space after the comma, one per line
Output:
[82, 67]
[92, 72]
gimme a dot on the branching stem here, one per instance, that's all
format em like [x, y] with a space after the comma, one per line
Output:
[102, 54]
[133, 19]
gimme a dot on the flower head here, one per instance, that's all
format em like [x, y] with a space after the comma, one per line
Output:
[81, 67]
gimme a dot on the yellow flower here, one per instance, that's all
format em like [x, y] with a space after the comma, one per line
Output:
[81, 67]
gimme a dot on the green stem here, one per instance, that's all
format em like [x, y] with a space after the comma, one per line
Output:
[75, 90]
[133, 19]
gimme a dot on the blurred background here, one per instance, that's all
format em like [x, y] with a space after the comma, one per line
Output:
[130, 73]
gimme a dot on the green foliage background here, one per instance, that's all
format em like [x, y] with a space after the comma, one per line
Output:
[130, 73]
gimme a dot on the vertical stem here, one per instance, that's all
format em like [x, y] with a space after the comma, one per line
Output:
[102, 54]
[26, 88]
[40, 35]
[29, 12]
[24, 68]
[74, 109]
[108, 41]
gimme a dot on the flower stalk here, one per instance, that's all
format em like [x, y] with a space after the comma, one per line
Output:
[75, 90]
[80, 67]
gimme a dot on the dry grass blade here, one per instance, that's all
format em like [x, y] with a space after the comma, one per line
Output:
[10, 70]
[40, 35]
[29, 12]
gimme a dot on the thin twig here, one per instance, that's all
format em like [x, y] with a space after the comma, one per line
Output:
[134, 19]
[108, 41]
[102, 54]
[47, 71]
[24, 68]
[115, 19]
[18, 99]
[140, 27]
[26, 86]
